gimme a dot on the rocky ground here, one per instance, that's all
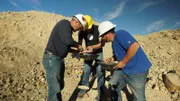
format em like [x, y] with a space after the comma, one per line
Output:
[24, 36]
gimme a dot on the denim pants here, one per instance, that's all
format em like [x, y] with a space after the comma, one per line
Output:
[136, 83]
[88, 65]
[54, 67]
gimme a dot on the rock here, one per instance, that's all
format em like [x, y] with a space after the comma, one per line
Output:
[172, 82]
[43, 80]
[24, 91]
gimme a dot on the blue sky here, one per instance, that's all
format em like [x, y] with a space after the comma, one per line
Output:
[135, 16]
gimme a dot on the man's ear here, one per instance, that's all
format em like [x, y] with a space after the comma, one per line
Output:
[107, 34]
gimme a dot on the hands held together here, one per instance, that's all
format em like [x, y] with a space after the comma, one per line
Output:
[119, 65]
[89, 49]
[80, 48]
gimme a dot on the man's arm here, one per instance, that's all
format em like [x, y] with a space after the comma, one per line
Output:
[97, 46]
[130, 53]
[65, 32]
[74, 50]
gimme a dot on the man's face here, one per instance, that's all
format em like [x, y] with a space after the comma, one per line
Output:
[105, 37]
[77, 25]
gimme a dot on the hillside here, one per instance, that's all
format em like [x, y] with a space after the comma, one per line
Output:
[24, 36]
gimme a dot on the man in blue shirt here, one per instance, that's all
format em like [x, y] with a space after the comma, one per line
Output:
[133, 64]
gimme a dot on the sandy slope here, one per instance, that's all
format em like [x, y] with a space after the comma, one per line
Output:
[24, 36]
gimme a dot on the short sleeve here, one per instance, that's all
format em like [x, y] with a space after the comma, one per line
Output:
[125, 39]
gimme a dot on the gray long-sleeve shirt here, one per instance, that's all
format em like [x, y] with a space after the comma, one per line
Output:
[61, 39]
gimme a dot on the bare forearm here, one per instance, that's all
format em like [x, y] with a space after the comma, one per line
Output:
[100, 45]
[97, 46]
[131, 52]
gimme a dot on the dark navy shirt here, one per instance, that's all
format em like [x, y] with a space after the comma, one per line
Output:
[61, 39]
[91, 38]
[139, 63]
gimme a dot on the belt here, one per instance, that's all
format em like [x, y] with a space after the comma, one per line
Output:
[49, 53]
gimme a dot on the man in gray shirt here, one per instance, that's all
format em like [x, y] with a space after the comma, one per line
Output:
[58, 46]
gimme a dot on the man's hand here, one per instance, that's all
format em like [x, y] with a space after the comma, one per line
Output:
[109, 60]
[120, 65]
[89, 48]
[80, 48]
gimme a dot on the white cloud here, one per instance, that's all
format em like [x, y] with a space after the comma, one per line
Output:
[14, 4]
[53, 12]
[35, 2]
[95, 10]
[144, 6]
[155, 26]
[149, 3]
[117, 12]
[177, 24]
[35, 8]
[95, 13]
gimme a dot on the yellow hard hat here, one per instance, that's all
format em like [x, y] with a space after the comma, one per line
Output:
[90, 21]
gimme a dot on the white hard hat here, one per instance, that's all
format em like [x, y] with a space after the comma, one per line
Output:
[104, 27]
[81, 19]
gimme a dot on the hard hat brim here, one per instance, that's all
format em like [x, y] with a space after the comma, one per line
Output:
[107, 31]
[81, 19]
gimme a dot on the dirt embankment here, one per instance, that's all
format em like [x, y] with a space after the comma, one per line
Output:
[24, 36]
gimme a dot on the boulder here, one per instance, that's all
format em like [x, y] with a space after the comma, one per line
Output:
[172, 82]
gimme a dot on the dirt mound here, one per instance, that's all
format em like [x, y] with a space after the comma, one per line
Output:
[24, 36]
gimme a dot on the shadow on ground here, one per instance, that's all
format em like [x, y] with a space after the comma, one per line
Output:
[107, 95]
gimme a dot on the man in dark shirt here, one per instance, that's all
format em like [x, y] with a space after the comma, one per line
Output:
[91, 37]
[58, 46]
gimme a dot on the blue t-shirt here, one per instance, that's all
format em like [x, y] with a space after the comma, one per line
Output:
[139, 63]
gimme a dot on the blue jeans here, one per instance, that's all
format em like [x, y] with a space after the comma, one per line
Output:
[100, 73]
[54, 67]
[136, 83]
